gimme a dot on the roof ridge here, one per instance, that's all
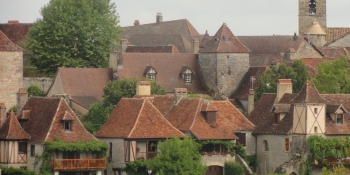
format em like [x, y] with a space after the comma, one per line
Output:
[53, 119]
[199, 107]
[240, 112]
[138, 117]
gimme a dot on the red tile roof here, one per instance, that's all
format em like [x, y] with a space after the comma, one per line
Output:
[151, 49]
[334, 33]
[308, 94]
[224, 42]
[16, 32]
[137, 118]
[12, 130]
[7, 45]
[334, 52]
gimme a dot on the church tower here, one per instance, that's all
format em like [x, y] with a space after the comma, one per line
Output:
[312, 11]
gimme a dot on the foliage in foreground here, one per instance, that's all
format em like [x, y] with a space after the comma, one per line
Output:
[336, 170]
[96, 117]
[15, 171]
[233, 168]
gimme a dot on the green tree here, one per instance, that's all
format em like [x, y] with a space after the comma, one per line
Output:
[79, 33]
[233, 168]
[118, 89]
[268, 80]
[333, 76]
[34, 90]
[97, 116]
[178, 157]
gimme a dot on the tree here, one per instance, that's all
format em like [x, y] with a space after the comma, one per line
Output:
[178, 157]
[333, 76]
[268, 80]
[233, 168]
[79, 33]
[97, 116]
[118, 89]
[34, 90]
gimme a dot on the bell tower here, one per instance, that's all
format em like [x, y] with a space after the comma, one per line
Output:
[312, 11]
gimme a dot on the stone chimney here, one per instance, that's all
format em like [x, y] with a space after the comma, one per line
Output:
[143, 88]
[283, 86]
[290, 54]
[22, 98]
[124, 43]
[2, 114]
[251, 101]
[195, 46]
[159, 18]
[136, 23]
[179, 93]
[13, 22]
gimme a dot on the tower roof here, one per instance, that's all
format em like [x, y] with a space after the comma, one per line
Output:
[315, 29]
[12, 130]
[309, 94]
[224, 42]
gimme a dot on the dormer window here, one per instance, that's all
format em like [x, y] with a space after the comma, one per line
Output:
[150, 73]
[186, 73]
[312, 7]
[67, 126]
[276, 118]
[339, 119]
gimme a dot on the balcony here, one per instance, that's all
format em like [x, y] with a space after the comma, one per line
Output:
[145, 155]
[78, 164]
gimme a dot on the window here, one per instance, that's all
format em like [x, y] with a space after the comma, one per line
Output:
[187, 78]
[266, 146]
[110, 150]
[315, 129]
[151, 76]
[22, 147]
[32, 150]
[312, 7]
[339, 119]
[286, 144]
[67, 125]
[315, 111]
[276, 118]
[242, 138]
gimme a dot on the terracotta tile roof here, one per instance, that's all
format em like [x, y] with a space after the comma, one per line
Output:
[46, 123]
[12, 130]
[151, 49]
[263, 60]
[308, 94]
[224, 42]
[182, 44]
[84, 82]
[168, 67]
[246, 84]
[7, 45]
[334, 33]
[23, 115]
[137, 118]
[182, 26]
[163, 103]
[204, 40]
[334, 53]
[84, 101]
[278, 108]
[332, 108]
[16, 32]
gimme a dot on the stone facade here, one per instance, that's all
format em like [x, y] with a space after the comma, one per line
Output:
[117, 159]
[223, 72]
[11, 76]
[250, 143]
[43, 83]
[306, 19]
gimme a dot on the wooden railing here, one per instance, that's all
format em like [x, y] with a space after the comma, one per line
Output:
[146, 155]
[79, 164]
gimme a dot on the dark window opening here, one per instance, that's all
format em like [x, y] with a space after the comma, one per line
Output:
[312, 7]
[266, 145]
[22, 147]
[214, 149]
[286, 142]
[315, 129]
[110, 150]
[32, 150]
[67, 125]
[276, 118]
[71, 155]
[242, 138]
[339, 119]
[151, 76]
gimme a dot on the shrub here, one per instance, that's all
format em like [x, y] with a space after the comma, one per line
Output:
[233, 168]
[34, 90]
[15, 171]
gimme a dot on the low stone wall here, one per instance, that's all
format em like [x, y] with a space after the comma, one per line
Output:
[43, 82]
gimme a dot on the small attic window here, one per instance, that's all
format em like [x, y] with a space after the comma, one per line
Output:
[340, 119]
[226, 39]
[150, 73]
[187, 78]
[186, 73]
[67, 125]
[276, 118]
[312, 7]
[151, 76]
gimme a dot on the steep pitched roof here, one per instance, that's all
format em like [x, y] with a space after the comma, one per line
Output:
[46, 115]
[7, 45]
[151, 49]
[137, 118]
[85, 101]
[331, 52]
[182, 26]
[12, 130]
[315, 29]
[205, 39]
[224, 42]
[15, 31]
[182, 44]
[334, 33]
[168, 66]
[308, 94]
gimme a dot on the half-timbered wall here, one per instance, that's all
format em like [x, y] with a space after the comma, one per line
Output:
[309, 119]
[9, 153]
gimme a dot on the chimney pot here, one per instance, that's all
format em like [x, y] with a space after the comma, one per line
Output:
[143, 88]
[136, 23]
[159, 18]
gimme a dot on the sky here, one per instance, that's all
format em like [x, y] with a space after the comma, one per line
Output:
[243, 17]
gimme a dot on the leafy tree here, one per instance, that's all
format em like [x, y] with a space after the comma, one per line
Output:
[78, 33]
[178, 157]
[118, 89]
[137, 167]
[268, 80]
[233, 168]
[34, 90]
[333, 76]
[97, 116]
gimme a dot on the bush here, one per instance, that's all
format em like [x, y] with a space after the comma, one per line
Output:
[34, 90]
[15, 171]
[233, 168]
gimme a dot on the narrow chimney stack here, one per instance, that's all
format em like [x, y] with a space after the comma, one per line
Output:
[159, 18]
[143, 88]
[283, 86]
[250, 101]
[2, 114]
[179, 93]
[195, 46]
[22, 97]
[13, 22]
[136, 23]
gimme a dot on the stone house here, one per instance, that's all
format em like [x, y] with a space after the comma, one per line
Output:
[43, 119]
[137, 124]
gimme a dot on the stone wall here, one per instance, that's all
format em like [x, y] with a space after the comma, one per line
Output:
[207, 63]
[39, 149]
[43, 83]
[305, 19]
[117, 160]
[11, 76]
[250, 143]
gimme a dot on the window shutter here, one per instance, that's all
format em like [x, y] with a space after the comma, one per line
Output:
[286, 144]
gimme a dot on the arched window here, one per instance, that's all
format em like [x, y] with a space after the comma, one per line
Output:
[266, 146]
[312, 7]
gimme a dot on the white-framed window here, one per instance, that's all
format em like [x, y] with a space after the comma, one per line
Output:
[151, 76]
[188, 78]
[339, 119]
[67, 125]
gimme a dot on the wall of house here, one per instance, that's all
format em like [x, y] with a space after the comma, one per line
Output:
[342, 42]
[57, 87]
[217, 160]
[299, 119]
[223, 71]
[250, 143]
[80, 109]
[316, 119]
[43, 83]
[39, 149]
[117, 160]
[305, 19]
[11, 76]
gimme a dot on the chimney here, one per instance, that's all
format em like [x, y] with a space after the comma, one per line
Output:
[143, 88]
[290, 54]
[210, 114]
[2, 114]
[179, 93]
[22, 97]
[283, 86]
[159, 18]
[136, 23]
[124, 43]
[250, 101]
[13, 22]
[195, 46]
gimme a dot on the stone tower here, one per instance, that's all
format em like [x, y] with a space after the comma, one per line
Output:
[223, 61]
[312, 11]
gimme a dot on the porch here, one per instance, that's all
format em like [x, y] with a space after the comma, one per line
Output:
[79, 164]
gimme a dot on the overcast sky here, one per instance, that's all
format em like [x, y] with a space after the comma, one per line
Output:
[243, 17]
